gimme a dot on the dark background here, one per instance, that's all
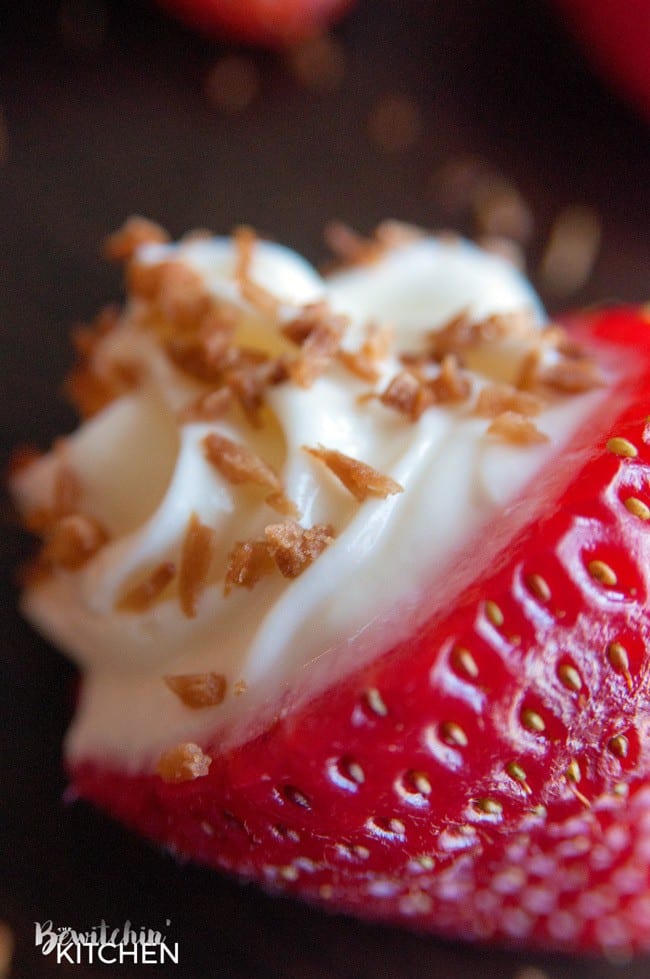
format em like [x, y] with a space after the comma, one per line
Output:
[101, 117]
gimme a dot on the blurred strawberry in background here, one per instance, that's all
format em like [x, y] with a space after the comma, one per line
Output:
[616, 34]
[271, 23]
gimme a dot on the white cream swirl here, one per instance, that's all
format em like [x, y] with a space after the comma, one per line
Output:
[144, 473]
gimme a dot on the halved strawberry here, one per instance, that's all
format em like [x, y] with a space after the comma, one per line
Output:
[489, 776]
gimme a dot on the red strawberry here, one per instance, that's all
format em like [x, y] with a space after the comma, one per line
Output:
[490, 777]
[617, 38]
[273, 24]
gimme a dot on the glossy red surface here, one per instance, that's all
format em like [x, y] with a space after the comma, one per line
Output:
[276, 24]
[616, 37]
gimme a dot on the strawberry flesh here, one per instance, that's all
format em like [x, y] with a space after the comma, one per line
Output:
[489, 777]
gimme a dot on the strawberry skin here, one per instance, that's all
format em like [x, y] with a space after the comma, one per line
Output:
[269, 23]
[616, 37]
[489, 778]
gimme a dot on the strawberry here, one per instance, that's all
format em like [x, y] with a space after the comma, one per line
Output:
[275, 25]
[617, 39]
[489, 777]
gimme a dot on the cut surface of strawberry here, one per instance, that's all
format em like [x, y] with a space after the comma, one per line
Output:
[483, 770]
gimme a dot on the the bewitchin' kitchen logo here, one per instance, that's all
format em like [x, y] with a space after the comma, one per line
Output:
[105, 945]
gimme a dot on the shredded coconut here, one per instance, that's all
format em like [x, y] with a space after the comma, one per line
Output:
[358, 477]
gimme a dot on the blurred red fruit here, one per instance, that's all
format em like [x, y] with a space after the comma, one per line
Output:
[617, 38]
[270, 23]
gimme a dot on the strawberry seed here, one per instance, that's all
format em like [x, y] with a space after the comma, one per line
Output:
[622, 447]
[637, 508]
[602, 572]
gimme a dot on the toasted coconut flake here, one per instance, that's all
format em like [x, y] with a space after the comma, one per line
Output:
[239, 464]
[518, 323]
[409, 394]
[220, 320]
[207, 407]
[298, 330]
[248, 386]
[462, 333]
[89, 388]
[136, 231]
[529, 370]
[72, 540]
[152, 281]
[176, 291]
[245, 242]
[66, 495]
[65, 501]
[206, 352]
[90, 392]
[317, 321]
[555, 337]
[183, 763]
[319, 332]
[495, 399]
[86, 338]
[450, 385]
[378, 341]
[294, 548]
[242, 357]
[198, 690]
[248, 382]
[375, 348]
[196, 557]
[262, 299]
[351, 248]
[456, 334]
[67, 491]
[125, 375]
[278, 501]
[247, 563]
[359, 478]
[143, 595]
[357, 363]
[510, 426]
[571, 376]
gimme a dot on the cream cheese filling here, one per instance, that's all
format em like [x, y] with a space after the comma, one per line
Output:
[144, 474]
